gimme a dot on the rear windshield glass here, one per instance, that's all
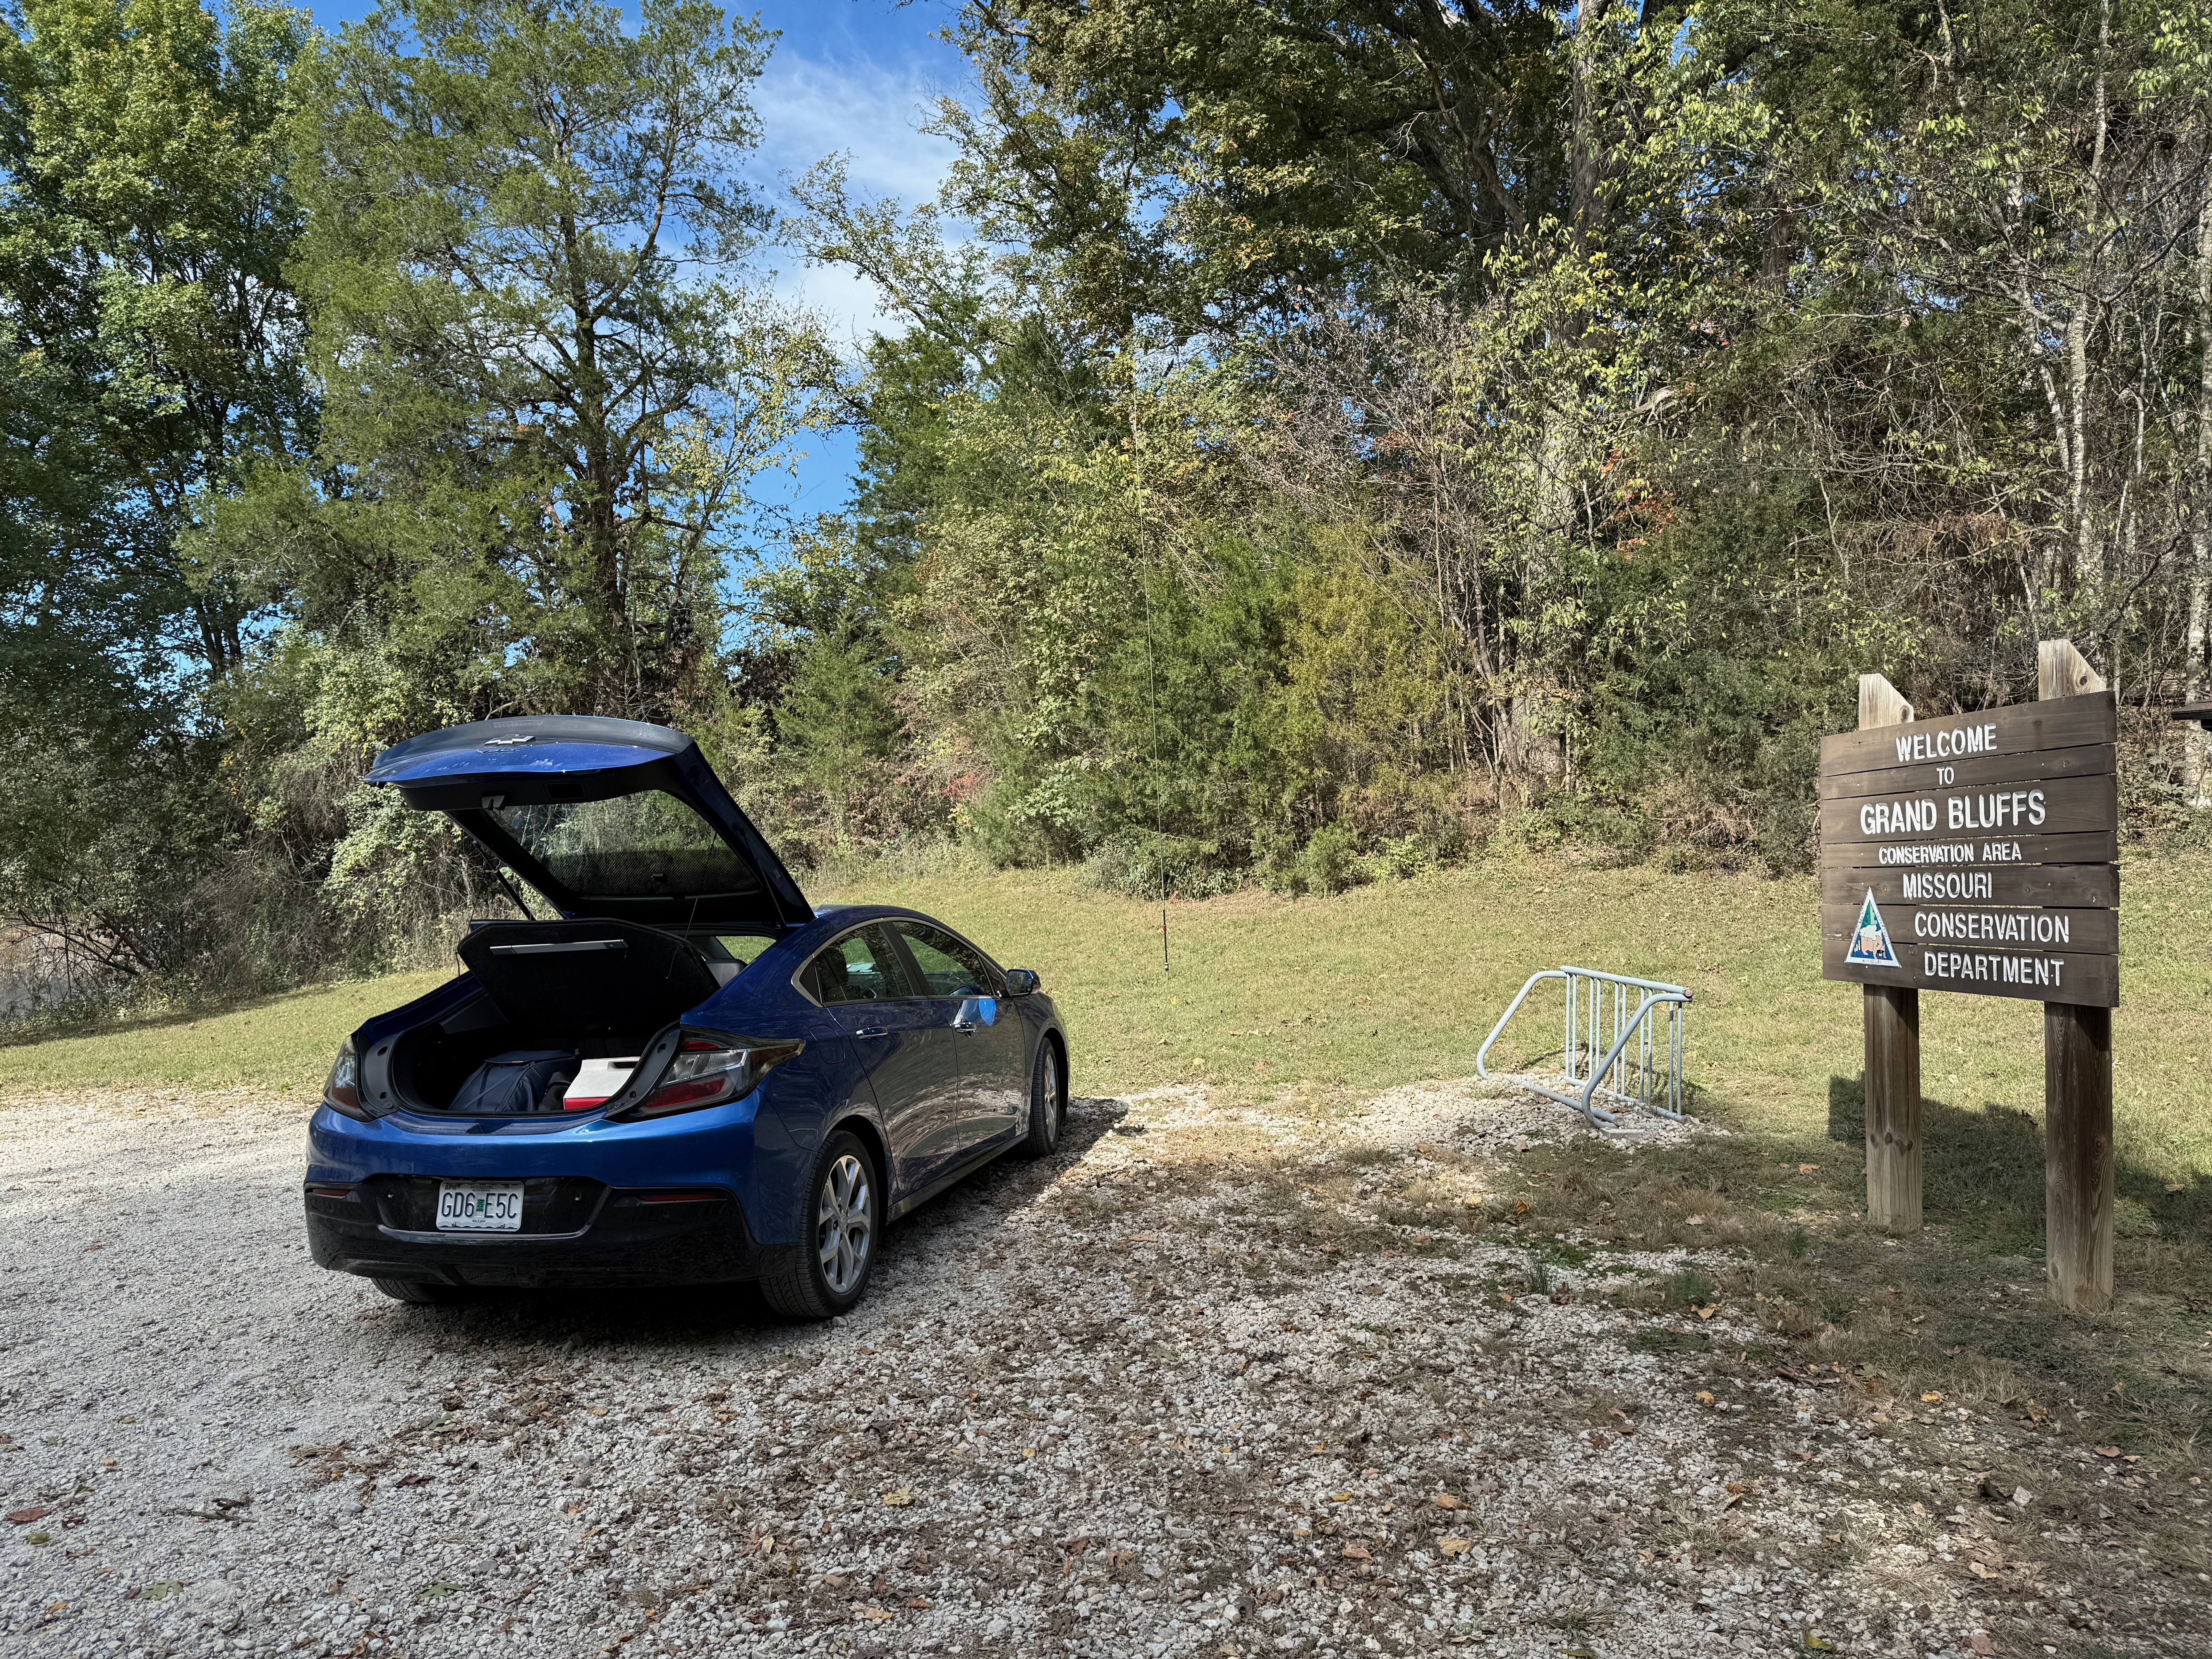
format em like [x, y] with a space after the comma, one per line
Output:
[638, 846]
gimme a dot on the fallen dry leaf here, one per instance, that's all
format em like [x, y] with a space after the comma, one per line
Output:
[874, 1615]
[899, 1499]
[1444, 1500]
[20, 1518]
[1357, 1552]
[1705, 1396]
[1453, 1544]
[1933, 1397]
[2102, 1451]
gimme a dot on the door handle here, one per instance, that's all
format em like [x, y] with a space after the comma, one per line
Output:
[872, 1031]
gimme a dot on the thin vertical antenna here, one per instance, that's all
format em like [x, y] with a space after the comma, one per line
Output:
[1159, 808]
[1151, 670]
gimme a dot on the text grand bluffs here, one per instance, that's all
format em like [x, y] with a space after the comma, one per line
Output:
[1985, 808]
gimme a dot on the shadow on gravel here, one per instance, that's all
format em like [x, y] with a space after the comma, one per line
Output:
[703, 1313]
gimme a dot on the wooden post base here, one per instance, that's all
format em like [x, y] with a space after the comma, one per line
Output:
[1893, 1108]
[2077, 1149]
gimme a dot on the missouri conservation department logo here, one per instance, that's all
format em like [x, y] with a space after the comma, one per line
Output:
[1870, 938]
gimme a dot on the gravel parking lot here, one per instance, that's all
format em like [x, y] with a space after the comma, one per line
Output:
[1211, 1382]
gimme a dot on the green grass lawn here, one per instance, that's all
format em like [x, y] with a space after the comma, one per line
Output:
[282, 1043]
[1390, 983]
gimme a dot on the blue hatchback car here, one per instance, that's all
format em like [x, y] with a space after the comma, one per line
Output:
[681, 1073]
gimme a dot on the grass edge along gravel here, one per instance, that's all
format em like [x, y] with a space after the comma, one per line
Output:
[1397, 982]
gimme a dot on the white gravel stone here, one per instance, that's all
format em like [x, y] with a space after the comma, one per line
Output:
[1114, 1404]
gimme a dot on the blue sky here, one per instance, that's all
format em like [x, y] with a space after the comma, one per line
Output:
[852, 76]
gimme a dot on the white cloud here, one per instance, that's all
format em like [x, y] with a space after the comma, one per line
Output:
[872, 113]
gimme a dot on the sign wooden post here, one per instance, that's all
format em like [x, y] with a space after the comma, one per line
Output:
[1891, 1068]
[2077, 1093]
[1978, 853]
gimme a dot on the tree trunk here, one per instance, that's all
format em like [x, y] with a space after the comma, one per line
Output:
[2087, 565]
[2197, 741]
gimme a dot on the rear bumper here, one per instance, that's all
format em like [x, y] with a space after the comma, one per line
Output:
[604, 1205]
[621, 1238]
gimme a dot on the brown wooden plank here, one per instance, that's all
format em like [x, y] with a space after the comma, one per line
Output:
[2020, 729]
[2051, 886]
[2057, 807]
[2090, 980]
[2062, 672]
[1985, 927]
[1890, 1015]
[2077, 1093]
[2077, 1161]
[1891, 1018]
[2092, 760]
[1973, 853]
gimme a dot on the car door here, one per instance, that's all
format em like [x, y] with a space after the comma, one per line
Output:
[991, 1096]
[860, 979]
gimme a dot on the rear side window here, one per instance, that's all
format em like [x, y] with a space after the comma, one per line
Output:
[739, 948]
[952, 966]
[858, 968]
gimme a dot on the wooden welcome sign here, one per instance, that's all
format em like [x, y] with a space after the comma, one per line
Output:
[1977, 853]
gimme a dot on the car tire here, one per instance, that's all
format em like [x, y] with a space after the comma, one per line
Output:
[425, 1294]
[1047, 1102]
[829, 1273]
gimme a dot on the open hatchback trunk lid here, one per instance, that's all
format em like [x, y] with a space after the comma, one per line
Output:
[605, 817]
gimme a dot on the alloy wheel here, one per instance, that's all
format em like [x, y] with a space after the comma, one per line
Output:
[1052, 1107]
[845, 1224]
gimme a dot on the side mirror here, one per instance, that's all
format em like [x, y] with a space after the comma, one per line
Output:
[1020, 982]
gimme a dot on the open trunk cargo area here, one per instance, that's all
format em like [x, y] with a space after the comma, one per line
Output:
[593, 989]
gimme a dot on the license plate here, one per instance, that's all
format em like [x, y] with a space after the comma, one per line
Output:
[480, 1207]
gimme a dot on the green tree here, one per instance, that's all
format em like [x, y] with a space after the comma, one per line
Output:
[150, 360]
[548, 383]
[144, 224]
[1202, 161]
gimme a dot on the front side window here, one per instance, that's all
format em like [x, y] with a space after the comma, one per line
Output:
[648, 845]
[952, 966]
[861, 967]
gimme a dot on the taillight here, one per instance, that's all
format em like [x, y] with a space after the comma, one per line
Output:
[341, 1088]
[709, 1068]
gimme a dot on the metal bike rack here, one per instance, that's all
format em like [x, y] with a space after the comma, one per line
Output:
[1651, 1078]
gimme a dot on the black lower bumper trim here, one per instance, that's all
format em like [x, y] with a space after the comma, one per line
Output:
[629, 1243]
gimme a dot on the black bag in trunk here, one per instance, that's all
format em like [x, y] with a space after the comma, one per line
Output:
[519, 1081]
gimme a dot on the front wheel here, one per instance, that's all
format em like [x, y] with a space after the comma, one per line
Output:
[1047, 1102]
[829, 1273]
